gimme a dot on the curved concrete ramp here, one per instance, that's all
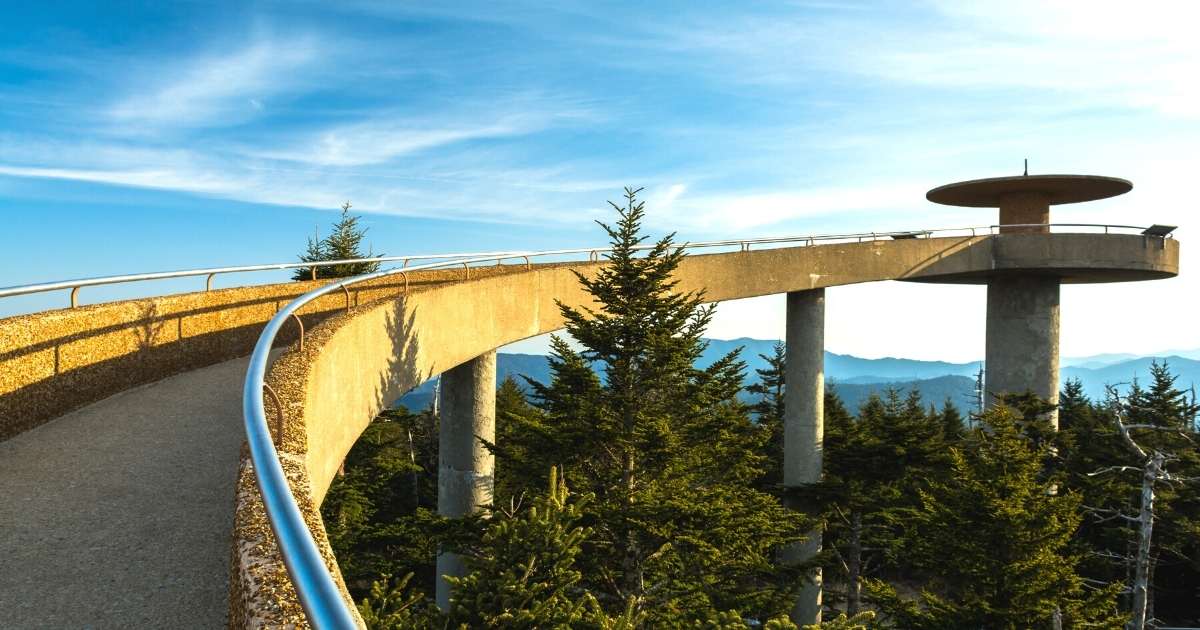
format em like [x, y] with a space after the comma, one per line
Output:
[119, 514]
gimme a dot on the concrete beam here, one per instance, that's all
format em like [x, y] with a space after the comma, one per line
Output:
[1022, 337]
[466, 470]
[804, 425]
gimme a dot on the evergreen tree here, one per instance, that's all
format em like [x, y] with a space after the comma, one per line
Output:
[1163, 404]
[525, 574]
[397, 606]
[343, 243]
[875, 467]
[667, 450]
[1160, 418]
[381, 514]
[515, 413]
[769, 410]
[992, 540]
[951, 420]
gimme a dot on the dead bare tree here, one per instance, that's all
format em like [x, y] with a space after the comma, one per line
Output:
[1153, 471]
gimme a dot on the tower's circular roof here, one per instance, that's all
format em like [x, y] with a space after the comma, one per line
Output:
[987, 193]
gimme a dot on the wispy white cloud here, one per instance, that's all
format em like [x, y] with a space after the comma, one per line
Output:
[214, 88]
[743, 212]
[383, 138]
[1099, 53]
[535, 197]
[1104, 53]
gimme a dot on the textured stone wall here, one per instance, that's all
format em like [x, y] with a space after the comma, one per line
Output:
[261, 593]
[55, 361]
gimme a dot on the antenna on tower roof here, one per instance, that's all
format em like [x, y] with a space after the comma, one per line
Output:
[1026, 167]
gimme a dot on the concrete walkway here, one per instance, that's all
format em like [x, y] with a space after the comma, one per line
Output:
[119, 515]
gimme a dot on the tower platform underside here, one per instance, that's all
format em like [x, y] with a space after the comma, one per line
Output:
[1071, 258]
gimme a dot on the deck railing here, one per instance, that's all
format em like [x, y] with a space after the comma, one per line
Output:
[743, 244]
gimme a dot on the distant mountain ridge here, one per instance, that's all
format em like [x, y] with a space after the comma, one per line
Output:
[855, 378]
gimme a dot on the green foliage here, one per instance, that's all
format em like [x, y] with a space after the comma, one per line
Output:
[859, 621]
[1094, 461]
[951, 420]
[381, 515]
[670, 456]
[525, 574]
[875, 467]
[679, 514]
[343, 243]
[991, 539]
[769, 410]
[396, 606]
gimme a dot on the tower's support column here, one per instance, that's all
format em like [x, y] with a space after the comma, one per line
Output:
[803, 425]
[465, 468]
[1022, 337]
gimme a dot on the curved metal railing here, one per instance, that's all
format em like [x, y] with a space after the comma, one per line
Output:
[744, 244]
[318, 592]
[210, 273]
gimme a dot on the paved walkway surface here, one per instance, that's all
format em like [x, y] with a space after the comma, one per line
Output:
[119, 515]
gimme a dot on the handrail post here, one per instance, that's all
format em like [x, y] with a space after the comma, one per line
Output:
[278, 437]
[347, 292]
[74, 297]
[466, 271]
[528, 265]
[314, 272]
[301, 325]
[208, 282]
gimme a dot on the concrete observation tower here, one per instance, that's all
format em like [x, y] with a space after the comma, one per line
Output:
[1023, 304]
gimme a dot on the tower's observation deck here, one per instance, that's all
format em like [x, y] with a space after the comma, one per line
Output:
[1023, 296]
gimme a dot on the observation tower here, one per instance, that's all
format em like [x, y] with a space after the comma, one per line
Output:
[1023, 302]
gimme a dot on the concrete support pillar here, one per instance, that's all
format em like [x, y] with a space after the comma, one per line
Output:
[1022, 337]
[465, 468]
[803, 425]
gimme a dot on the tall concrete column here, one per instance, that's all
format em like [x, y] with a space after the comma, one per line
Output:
[465, 468]
[804, 425]
[1022, 337]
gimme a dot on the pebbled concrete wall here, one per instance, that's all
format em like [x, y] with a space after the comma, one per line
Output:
[55, 361]
[356, 363]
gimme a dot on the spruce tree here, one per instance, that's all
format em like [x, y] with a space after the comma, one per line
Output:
[951, 420]
[875, 467]
[667, 450]
[397, 605]
[381, 514]
[515, 413]
[992, 540]
[1160, 419]
[525, 574]
[343, 243]
[768, 410]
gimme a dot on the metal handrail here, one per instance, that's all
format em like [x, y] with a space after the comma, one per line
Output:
[744, 244]
[78, 283]
[315, 586]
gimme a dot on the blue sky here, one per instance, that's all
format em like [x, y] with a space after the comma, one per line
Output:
[173, 135]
